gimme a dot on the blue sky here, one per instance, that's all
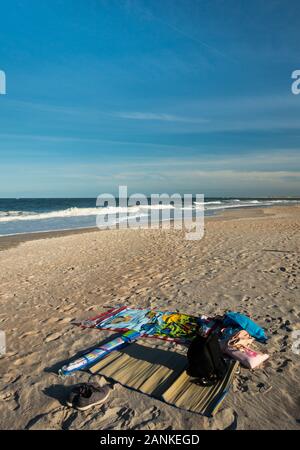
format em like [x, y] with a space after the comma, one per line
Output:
[190, 96]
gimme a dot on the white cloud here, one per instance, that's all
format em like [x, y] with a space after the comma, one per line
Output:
[157, 117]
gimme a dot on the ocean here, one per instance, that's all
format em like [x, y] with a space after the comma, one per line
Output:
[33, 215]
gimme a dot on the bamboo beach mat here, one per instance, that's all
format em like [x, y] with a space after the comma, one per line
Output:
[206, 400]
[146, 369]
[161, 374]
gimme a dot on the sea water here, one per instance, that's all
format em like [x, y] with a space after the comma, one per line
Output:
[32, 215]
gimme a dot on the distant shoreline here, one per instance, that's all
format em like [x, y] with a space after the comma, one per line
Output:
[32, 216]
[8, 241]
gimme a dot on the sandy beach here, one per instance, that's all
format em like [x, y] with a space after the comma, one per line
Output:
[248, 261]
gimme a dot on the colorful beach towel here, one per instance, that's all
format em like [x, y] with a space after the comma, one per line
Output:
[138, 323]
[167, 325]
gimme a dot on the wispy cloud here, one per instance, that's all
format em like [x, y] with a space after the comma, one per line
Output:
[224, 114]
[89, 140]
[280, 163]
[137, 115]
[148, 14]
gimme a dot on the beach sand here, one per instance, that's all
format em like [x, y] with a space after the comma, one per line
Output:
[248, 261]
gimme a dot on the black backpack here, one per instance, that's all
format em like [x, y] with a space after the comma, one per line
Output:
[205, 361]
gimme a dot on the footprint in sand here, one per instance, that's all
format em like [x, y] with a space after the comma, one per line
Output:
[226, 419]
[28, 333]
[108, 419]
[65, 320]
[71, 308]
[52, 337]
[286, 326]
[126, 414]
[283, 365]
[6, 396]
[12, 398]
[50, 321]
[10, 379]
[241, 384]
[148, 419]
[48, 420]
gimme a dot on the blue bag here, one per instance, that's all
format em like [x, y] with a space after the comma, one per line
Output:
[234, 318]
